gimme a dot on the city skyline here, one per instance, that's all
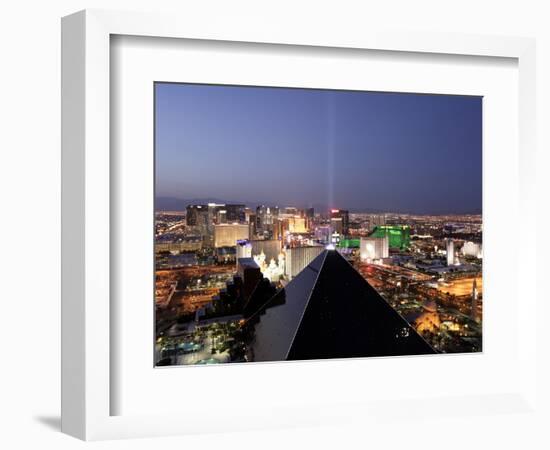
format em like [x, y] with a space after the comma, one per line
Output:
[300, 224]
[363, 151]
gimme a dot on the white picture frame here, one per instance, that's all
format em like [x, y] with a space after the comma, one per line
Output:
[86, 220]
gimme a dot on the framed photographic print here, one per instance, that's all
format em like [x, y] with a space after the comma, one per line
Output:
[295, 221]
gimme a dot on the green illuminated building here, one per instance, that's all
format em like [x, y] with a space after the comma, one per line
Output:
[399, 236]
[349, 243]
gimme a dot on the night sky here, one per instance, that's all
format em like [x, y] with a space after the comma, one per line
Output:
[360, 151]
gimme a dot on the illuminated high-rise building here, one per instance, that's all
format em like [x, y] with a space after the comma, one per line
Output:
[297, 258]
[244, 249]
[212, 217]
[376, 220]
[291, 211]
[374, 248]
[322, 234]
[336, 225]
[227, 235]
[297, 224]
[221, 216]
[199, 216]
[265, 218]
[280, 227]
[399, 236]
[235, 213]
[213, 209]
[450, 247]
[193, 213]
[310, 218]
[216, 212]
[248, 213]
[339, 219]
[252, 225]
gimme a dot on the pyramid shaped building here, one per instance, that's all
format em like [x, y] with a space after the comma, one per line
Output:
[330, 311]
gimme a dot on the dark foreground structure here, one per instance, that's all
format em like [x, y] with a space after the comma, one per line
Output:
[329, 311]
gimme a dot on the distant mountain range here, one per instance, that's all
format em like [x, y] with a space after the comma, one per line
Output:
[179, 204]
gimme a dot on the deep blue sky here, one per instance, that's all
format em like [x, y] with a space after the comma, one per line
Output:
[304, 147]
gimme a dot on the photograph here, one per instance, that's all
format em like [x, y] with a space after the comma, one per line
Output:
[310, 224]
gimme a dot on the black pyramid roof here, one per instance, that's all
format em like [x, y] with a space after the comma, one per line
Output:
[330, 311]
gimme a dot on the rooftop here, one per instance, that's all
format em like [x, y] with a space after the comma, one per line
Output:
[330, 311]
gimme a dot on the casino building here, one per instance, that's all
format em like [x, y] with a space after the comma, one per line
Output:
[399, 236]
[374, 248]
[329, 311]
